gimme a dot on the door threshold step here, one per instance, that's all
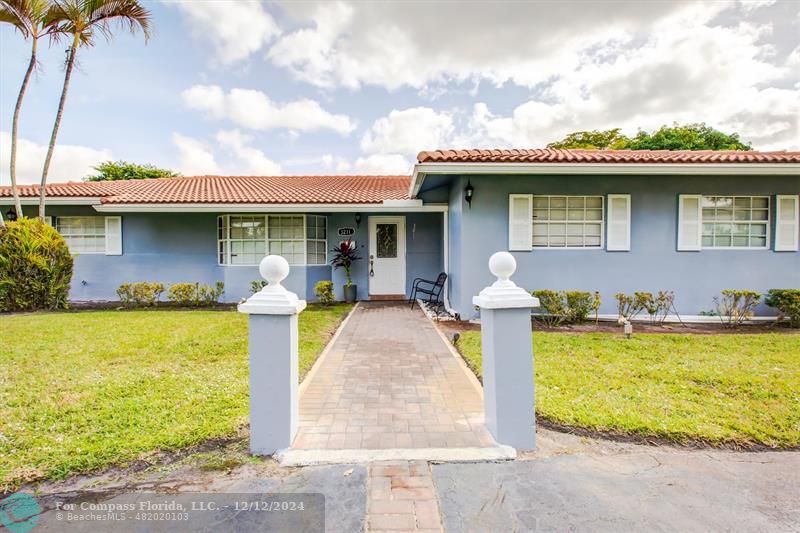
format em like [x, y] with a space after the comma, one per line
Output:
[387, 297]
[297, 457]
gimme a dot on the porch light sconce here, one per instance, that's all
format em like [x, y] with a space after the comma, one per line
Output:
[468, 192]
[358, 219]
[11, 214]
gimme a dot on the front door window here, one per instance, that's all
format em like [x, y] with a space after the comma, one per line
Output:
[386, 237]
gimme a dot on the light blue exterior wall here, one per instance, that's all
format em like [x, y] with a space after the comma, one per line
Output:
[424, 257]
[175, 247]
[182, 247]
[652, 264]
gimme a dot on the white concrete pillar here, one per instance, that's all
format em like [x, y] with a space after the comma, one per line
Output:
[508, 387]
[272, 342]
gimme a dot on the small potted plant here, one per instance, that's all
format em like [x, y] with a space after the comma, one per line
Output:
[344, 256]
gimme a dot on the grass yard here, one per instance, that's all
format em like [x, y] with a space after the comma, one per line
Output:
[85, 390]
[739, 390]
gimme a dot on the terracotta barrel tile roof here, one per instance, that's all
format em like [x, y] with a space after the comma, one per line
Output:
[235, 190]
[551, 155]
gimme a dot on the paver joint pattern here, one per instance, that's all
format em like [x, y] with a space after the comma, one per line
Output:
[401, 497]
[390, 381]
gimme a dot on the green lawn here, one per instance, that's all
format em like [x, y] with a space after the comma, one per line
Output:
[719, 389]
[84, 390]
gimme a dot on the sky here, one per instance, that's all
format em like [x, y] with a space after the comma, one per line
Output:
[264, 88]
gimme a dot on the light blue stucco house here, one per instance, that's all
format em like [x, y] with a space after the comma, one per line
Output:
[609, 221]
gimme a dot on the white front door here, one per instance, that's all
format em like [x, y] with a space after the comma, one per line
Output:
[387, 255]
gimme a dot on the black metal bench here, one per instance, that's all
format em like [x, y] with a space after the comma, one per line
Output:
[430, 290]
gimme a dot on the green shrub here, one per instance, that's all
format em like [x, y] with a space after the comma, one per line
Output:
[657, 306]
[630, 306]
[570, 307]
[208, 295]
[195, 294]
[579, 305]
[554, 307]
[257, 285]
[787, 302]
[141, 293]
[735, 306]
[35, 267]
[324, 292]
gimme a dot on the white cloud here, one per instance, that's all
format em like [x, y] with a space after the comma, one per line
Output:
[690, 72]
[406, 131]
[382, 164]
[392, 44]
[194, 156]
[70, 162]
[379, 164]
[236, 29]
[255, 110]
[250, 160]
[639, 65]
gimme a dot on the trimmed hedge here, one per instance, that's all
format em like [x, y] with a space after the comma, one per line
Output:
[787, 302]
[35, 267]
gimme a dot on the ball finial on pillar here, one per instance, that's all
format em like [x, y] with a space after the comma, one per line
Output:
[274, 269]
[502, 265]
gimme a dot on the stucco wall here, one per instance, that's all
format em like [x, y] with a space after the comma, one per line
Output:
[653, 262]
[423, 247]
[181, 247]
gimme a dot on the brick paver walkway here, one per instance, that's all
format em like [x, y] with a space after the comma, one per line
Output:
[390, 381]
[401, 497]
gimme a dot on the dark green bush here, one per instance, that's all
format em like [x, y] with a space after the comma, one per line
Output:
[257, 285]
[787, 302]
[324, 292]
[35, 267]
[141, 293]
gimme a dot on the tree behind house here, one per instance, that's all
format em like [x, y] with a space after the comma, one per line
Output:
[123, 170]
[676, 137]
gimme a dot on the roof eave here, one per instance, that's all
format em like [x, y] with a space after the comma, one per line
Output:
[663, 169]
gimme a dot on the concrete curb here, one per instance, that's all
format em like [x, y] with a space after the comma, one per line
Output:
[293, 457]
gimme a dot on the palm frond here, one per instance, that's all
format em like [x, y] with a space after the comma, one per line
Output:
[127, 13]
[27, 16]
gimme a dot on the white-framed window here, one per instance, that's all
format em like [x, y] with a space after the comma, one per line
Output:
[735, 222]
[246, 239]
[242, 239]
[316, 240]
[567, 221]
[91, 234]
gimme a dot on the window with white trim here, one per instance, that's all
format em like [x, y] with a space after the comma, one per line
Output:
[84, 235]
[567, 221]
[246, 239]
[316, 240]
[735, 222]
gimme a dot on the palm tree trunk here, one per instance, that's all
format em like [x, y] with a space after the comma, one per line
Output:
[14, 128]
[70, 64]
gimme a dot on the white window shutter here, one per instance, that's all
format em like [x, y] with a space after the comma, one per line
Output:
[520, 222]
[787, 223]
[113, 235]
[50, 221]
[690, 222]
[619, 223]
